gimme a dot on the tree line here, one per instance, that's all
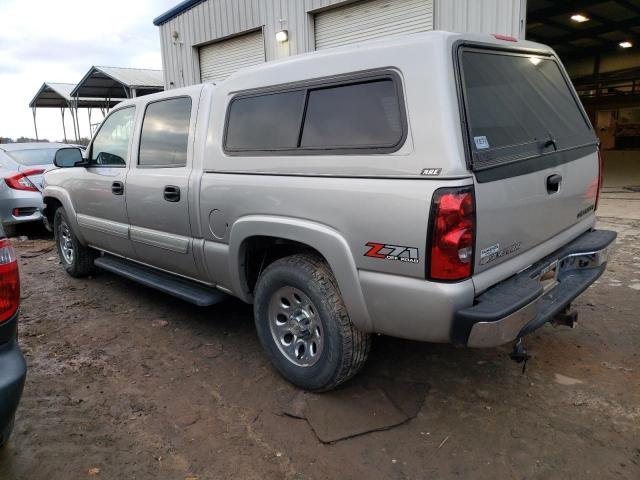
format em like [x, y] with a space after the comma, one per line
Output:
[83, 140]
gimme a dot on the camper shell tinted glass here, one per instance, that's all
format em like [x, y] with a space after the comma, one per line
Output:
[357, 115]
[265, 122]
[518, 106]
[362, 113]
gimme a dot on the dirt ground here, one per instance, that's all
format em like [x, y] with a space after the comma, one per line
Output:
[126, 383]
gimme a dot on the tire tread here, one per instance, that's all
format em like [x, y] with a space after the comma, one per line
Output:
[84, 256]
[356, 344]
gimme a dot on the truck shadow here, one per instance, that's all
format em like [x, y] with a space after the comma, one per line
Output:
[401, 378]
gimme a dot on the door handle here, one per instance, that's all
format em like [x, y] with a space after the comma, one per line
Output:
[117, 188]
[171, 193]
[553, 183]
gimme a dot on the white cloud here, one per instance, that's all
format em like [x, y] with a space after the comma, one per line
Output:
[58, 41]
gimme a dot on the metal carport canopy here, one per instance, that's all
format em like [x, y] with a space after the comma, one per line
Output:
[54, 94]
[118, 82]
[58, 95]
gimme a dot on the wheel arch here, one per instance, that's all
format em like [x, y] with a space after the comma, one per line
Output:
[298, 235]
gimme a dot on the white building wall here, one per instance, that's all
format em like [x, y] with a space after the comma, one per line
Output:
[213, 20]
[506, 17]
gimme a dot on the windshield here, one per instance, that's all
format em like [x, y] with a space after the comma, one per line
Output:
[36, 156]
[519, 101]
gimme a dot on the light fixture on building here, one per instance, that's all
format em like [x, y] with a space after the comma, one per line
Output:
[175, 35]
[626, 44]
[578, 17]
[282, 36]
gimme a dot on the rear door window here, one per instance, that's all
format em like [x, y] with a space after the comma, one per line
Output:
[518, 106]
[165, 133]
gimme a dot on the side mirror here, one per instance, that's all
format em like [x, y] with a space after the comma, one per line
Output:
[68, 157]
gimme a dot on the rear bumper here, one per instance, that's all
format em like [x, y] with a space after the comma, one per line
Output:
[521, 304]
[29, 202]
[13, 371]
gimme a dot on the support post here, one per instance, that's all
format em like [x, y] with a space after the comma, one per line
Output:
[78, 121]
[35, 125]
[64, 128]
[73, 120]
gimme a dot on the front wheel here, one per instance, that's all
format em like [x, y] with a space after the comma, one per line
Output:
[303, 324]
[76, 259]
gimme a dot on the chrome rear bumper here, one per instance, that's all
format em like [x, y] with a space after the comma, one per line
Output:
[536, 295]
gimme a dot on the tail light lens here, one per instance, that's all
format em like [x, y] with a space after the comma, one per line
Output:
[9, 281]
[600, 177]
[20, 181]
[452, 234]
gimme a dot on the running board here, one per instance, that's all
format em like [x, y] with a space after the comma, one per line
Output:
[165, 282]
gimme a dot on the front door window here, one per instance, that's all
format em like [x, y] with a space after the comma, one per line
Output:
[111, 144]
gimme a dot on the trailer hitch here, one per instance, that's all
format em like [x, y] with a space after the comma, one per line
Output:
[568, 317]
[519, 354]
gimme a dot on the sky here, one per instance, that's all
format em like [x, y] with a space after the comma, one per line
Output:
[58, 41]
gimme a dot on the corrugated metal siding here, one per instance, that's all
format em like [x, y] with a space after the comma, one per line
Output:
[216, 19]
[219, 60]
[373, 19]
[481, 16]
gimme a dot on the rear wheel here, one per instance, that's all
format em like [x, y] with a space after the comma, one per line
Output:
[76, 259]
[303, 324]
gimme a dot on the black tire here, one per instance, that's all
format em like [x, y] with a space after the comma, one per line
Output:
[79, 263]
[344, 349]
[4, 436]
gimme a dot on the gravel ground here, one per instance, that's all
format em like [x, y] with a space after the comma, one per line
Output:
[127, 383]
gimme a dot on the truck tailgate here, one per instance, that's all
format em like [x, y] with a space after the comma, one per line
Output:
[518, 213]
[532, 150]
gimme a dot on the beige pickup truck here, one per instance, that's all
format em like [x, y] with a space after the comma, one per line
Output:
[437, 187]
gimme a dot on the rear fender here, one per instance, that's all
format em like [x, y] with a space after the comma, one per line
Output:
[331, 245]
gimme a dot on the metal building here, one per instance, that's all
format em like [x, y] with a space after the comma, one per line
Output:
[207, 40]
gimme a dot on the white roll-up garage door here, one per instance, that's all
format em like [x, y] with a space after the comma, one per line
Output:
[221, 59]
[371, 19]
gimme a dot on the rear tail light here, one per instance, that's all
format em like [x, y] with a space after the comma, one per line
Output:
[600, 177]
[452, 234]
[9, 281]
[20, 181]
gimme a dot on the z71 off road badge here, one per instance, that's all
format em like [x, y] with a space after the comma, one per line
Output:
[385, 251]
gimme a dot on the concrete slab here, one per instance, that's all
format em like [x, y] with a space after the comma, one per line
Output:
[619, 203]
[621, 168]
